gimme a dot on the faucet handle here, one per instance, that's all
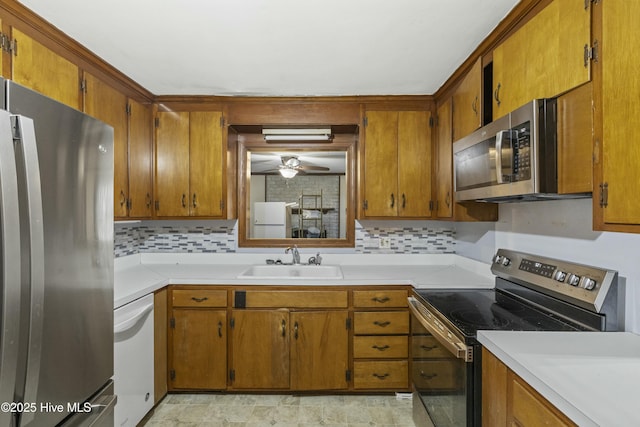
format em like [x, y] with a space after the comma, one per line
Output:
[318, 259]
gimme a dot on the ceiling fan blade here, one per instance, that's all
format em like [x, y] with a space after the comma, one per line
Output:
[312, 168]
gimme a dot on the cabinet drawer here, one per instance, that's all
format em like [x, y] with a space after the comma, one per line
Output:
[291, 299]
[199, 298]
[427, 347]
[381, 322]
[392, 374]
[437, 375]
[380, 298]
[380, 347]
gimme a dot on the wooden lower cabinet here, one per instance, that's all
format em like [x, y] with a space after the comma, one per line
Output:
[507, 400]
[288, 338]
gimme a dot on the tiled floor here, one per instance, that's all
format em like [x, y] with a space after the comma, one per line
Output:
[242, 410]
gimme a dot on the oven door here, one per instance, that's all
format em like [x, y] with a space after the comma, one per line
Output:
[442, 374]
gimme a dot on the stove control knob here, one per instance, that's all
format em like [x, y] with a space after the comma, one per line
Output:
[498, 259]
[588, 283]
[574, 280]
[506, 261]
[560, 276]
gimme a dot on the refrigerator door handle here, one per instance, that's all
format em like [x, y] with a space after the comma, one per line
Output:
[11, 274]
[29, 179]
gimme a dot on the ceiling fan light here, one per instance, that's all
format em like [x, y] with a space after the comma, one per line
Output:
[288, 172]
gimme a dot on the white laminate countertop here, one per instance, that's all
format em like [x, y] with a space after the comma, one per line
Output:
[592, 377]
[138, 275]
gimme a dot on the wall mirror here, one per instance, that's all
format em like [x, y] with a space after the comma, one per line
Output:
[296, 192]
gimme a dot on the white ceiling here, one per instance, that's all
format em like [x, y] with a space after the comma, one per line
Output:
[280, 47]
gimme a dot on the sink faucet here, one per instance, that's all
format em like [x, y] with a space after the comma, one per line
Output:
[315, 260]
[294, 252]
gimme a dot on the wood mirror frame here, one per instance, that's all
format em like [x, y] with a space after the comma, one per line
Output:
[248, 143]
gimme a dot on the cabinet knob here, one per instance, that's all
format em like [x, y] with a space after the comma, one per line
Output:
[195, 201]
[496, 94]
[393, 200]
[184, 200]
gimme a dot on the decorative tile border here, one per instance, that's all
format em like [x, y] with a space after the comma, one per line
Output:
[220, 236]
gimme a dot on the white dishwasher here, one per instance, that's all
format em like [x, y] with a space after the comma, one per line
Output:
[133, 361]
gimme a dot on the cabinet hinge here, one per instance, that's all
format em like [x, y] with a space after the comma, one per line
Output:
[172, 323]
[365, 122]
[348, 325]
[347, 375]
[365, 205]
[83, 86]
[172, 375]
[590, 53]
[221, 205]
[232, 322]
[129, 204]
[232, 375]
[604, 194]
[221, 121]
[430, 205]
[156, 122]
[157, 205]
[586, 3]
[432, 122]
[127, 109]
[8, 45]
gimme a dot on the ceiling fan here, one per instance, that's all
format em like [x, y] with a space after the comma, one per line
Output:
[291, 166]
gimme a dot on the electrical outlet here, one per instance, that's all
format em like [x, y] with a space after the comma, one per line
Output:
[384, 243]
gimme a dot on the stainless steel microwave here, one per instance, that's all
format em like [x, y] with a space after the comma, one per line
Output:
[514, 158]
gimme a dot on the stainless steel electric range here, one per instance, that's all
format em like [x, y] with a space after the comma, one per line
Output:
[532, 293]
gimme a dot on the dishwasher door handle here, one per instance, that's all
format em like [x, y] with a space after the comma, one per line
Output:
[131, 320]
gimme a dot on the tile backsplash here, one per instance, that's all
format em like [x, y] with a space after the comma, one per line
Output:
[414, 237]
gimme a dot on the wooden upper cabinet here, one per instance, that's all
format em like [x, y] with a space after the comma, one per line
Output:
[544, 58]
[140, 160]
[467, 103]
[172, 164]
[41, 69]
[397, 164]
[190, 164]
[443, 192]
[617, 93]
[207, 161]
[110, 106]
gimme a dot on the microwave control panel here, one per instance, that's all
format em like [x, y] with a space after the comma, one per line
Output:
[522, 152]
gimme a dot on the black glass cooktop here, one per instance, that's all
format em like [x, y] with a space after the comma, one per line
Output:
[471, 310]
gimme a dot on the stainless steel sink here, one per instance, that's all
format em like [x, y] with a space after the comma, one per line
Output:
[299, 271]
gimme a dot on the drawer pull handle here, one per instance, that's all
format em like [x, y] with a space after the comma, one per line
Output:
[202, 299]
[382, 324]
[295, 330]
[380, 348]
[220, 328]
[380, 376]
[284, 328]
[380, 300]
[428, 347]
[427, 376]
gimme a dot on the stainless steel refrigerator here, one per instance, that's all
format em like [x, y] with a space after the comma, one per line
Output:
[56, 232]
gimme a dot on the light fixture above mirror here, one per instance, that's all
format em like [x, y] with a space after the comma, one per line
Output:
[297, 134]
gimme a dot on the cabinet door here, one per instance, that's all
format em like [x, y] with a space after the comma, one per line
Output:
[199, 349]
[319, 350]
[172, 164]
[140, 160]
[110, 106]
[414, 164]
[544, 58]
[444, 162]
[527, 407]
[381, 164]
[618, 152]
[467, 114]
[207, 163]
[44, 71]
[260, 348]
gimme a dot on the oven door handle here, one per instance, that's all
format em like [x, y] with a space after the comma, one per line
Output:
[433, 326]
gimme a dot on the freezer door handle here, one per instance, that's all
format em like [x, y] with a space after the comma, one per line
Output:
[24, 138]
[11, 274]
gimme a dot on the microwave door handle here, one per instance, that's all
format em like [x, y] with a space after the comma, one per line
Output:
[499, 157]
